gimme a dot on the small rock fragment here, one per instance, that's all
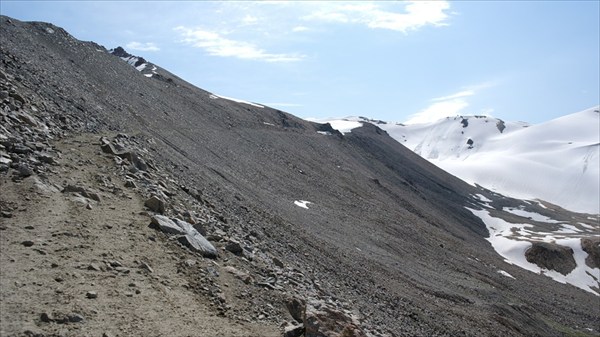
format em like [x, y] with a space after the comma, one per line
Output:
[75, 318]
[234, 247]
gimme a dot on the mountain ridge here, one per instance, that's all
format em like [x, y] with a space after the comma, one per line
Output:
[486, 151]
[386, 235]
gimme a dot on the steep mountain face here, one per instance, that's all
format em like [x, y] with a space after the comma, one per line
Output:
[370, 238]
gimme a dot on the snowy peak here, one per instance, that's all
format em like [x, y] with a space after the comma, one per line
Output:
[556, 161]
[139, 63]
[451, 137]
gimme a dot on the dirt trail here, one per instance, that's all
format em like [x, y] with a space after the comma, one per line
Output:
[66, 257]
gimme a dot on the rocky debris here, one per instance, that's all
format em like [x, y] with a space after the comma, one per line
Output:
[320, 318]
[87, 193]
[245, 277]
[188, 235]
[118, 149]
[592, 247]
[551, 256]
[61, 318]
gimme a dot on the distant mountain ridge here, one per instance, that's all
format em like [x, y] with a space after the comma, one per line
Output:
[138, 62]
[556, 161]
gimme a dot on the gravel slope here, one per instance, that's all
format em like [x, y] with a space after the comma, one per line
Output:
[386, 238]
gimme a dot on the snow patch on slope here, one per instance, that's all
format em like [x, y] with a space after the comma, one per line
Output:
[557, 161]
[139, 63]
[504, 240]
[343, 125]
[302, 203]
[215, 96]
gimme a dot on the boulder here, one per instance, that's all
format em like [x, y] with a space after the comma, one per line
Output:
[167, 225]
[296, 308]
[322, 319]
[551, 256]
[190, 237]
[592, 247]
[293, 331]
[155, 204]
[198, 243]
[82, 191]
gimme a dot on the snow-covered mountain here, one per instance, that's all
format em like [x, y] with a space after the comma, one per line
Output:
[556, 161]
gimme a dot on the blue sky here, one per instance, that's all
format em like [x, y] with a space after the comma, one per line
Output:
[397, 61]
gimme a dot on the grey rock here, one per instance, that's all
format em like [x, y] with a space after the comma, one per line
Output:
[198, 243]
[190, 238]
[47, 158]
[130, 183]
[592, 247]
[21, 149]
[167, 225]
[27, 243]
[75, 318]
[83, 191]
[293, 331]
[46, 317]
[94, 266]
[551, 256]
[91, 294]
[278, 262]
[234, 247]
[155, 204]
[296, 308]
[24, 170]
[245, 277]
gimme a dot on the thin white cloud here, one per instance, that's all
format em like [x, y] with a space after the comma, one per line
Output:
[217, 45]
[415, 14]
[298, 29]
[439, 110]
[460, 94]
[148, 46]
[449, 105]
[249, 20]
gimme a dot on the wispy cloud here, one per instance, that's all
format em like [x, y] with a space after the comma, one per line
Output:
[460, 94]
[148, 46]
[449, 105]
[415, 14]
[298, 29]
[217, 45]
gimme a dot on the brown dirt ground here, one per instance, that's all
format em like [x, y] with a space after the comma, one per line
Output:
[53, 275]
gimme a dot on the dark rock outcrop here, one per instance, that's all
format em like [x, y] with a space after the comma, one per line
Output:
[551, 256]
[592, 247]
